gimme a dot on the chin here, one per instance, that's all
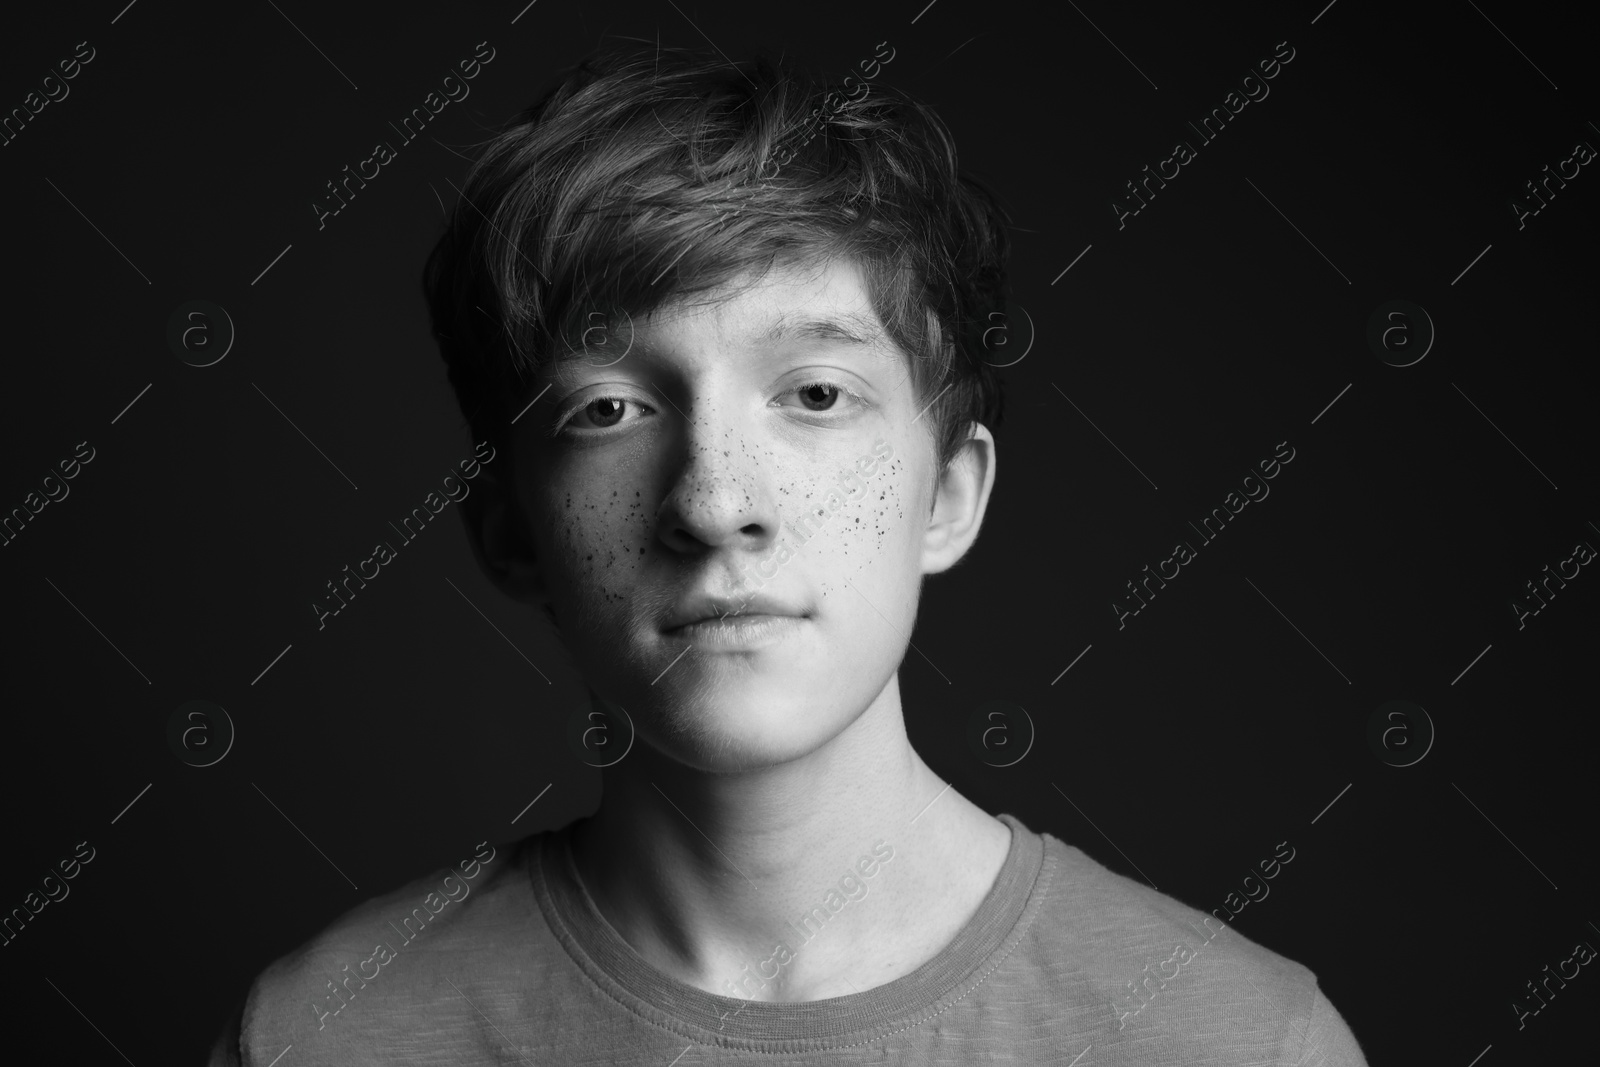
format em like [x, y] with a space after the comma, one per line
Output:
[742, 727]
[732, 710]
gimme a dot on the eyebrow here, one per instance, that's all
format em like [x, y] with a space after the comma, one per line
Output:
[851, 329]
[847, 328]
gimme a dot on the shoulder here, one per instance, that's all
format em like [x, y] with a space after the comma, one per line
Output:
[377, 959]
[1163, 971]
[1110, 917]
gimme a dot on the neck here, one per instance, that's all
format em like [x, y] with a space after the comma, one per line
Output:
[712, 876]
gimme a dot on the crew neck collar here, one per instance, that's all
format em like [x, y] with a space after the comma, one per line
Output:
[978, 948]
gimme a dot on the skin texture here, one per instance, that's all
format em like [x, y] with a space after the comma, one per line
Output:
[761, 772]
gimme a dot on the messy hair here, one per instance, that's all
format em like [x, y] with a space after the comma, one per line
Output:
[647, 176]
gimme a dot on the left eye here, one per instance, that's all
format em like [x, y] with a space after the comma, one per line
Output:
[820, 396]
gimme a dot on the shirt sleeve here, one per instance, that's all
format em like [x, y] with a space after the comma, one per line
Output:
[1328, 1041]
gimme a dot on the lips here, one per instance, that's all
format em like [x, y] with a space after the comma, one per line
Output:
[704, 607]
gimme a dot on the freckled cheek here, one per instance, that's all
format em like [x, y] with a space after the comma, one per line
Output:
[875, 529]
[592, 545]
[895, 533]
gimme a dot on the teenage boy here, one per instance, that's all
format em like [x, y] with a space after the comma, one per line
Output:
[747, 311]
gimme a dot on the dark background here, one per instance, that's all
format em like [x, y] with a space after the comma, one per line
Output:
[1214, 726]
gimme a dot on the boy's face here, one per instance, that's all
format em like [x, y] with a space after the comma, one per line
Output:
[673, 494]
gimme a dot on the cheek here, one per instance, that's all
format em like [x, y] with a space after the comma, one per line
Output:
[872, 541]
[592, 541]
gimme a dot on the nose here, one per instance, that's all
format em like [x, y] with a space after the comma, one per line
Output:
[721, 496]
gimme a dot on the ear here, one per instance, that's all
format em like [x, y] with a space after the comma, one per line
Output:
[499, 536]
[961, 497]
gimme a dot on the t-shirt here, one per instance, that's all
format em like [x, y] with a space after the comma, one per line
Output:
[1064, 962]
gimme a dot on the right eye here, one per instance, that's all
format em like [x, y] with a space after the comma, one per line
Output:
[603, 413]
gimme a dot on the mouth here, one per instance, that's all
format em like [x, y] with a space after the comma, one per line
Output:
[720, 624]
[736, 633]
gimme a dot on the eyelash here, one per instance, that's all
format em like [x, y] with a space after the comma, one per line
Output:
[828, 383]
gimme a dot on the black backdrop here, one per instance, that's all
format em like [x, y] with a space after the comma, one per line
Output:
[1230, 714]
